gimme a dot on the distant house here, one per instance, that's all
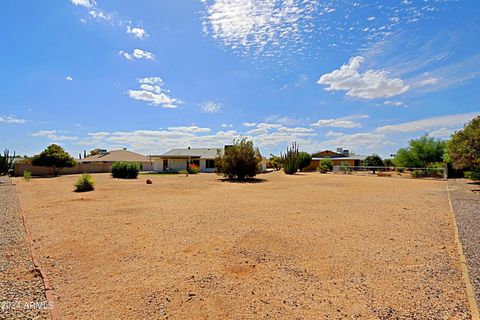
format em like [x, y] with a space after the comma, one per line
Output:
[113, 156]
[338, 158]
[178, 159]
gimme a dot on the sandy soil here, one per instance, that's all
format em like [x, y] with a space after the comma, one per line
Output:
[309, 246]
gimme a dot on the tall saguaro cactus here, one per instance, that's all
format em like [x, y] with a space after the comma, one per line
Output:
[6, 161]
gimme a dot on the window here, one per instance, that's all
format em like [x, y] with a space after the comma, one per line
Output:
[209, 164]
[165, 164]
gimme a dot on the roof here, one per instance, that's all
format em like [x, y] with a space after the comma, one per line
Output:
[355, 157]
[203, 153]
[117, 155]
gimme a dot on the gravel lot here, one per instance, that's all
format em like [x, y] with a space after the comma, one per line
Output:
[308, 246]
[20, 285]
[466, 205]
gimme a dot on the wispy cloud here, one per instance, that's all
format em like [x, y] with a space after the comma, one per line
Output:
[211, 106]
[429, 124]
[11, 119]
[84, 3]
[370, 84]
[54, 135]
[151, 91]
[344, 122]
[69, 78]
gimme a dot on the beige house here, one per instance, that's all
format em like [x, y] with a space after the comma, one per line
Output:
[178, 159]
[119, 155]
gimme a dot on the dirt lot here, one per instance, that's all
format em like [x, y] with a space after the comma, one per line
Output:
[308, 246]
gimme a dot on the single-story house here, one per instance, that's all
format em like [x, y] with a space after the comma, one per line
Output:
[113, 156]
[178, 159]
[341, 157]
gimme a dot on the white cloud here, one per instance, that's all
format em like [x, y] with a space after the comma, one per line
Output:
[192, 129]
[344, 122]
[249, 124]
[394, 103]
[101, 15]
[137, 32]
[69, 78]
[11, 120]
[137, 54]
[429, 81]
[285, 120]
[366, 140]
[225, 125]
[84, 3]
[151, 91]
[425, 125]
[53, 135]
[210, 106]
[371, 84]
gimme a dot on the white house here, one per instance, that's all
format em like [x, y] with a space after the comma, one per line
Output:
[178, 159]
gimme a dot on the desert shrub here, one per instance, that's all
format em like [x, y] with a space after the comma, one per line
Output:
[84, 183]
[126, 170]
[27, 175]
[417, 174]
[304, 160]
[388, 163]
[473, 174]
[432, 172]
[291, 160]
[325, 166]
[193, 168]
[274, 162]
[240, 161]
[384, 174]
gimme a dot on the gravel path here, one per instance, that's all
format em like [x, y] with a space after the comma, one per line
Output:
[466, 204]
[21, 289]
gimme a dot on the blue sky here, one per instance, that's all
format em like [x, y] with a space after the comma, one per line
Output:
[152, 75]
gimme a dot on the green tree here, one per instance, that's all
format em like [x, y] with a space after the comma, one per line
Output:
[304, 160]
[373, 161]
[420, 153]
[275, 162]
[240, 162]
[463, 150]
[54, 157]
[388, 163]
[325, 166]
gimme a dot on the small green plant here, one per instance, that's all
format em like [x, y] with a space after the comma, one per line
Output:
[344, 168]
[27, 175]
[325, 166]
[193, 168]
[304, 160]
[473, 174]
[84, 183]
[291, 160]
[126, 170]
[417, 174]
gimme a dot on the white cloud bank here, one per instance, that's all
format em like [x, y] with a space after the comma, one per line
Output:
[152, 92]
[54, 135]
[371, 84]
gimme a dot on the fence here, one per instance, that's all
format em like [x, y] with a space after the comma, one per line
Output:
[413, 172]
[94, 167]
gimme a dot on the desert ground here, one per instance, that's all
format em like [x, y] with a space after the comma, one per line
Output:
[308, 246]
